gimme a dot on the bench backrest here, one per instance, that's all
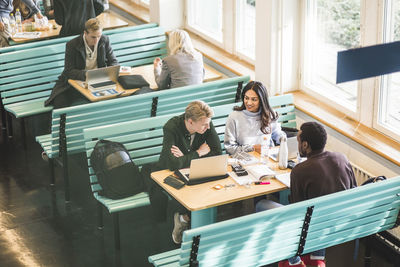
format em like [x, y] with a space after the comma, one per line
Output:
[143, 137]
[30, 74]
[274, 235]
[136, 107]
[58, 40]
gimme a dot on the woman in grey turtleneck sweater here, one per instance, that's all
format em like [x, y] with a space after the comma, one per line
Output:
[248, 123]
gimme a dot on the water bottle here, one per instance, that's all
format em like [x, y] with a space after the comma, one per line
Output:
[12, 24]
[283, 153]
[106, 5]
[18, 20]
[265, 139]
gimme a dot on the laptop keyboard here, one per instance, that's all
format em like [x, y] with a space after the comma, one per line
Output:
[102, 84]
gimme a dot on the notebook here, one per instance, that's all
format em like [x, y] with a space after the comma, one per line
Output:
[102, 78]
[292, 149]
[204, 170]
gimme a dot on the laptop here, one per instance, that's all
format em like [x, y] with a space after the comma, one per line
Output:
[102, 78]
[292, 149]
[204, 170]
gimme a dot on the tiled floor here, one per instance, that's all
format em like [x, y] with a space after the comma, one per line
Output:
[37, 228]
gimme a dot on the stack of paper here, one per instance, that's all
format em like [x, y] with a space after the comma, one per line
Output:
[27, 35]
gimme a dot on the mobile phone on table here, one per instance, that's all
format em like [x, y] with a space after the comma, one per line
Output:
[174, 182]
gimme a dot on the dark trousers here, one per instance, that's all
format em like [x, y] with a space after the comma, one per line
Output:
[68, 98]
[158, 197]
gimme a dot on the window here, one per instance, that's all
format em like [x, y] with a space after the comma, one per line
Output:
[205, 16]
[246, 28]
[229, 24]
[389, 94]
[330, 26]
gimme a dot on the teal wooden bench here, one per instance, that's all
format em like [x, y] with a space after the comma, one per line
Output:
[66, 136]
[28, 75]
[143, 139]
[296, 229]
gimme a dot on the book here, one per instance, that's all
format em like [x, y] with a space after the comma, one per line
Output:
[260, 171]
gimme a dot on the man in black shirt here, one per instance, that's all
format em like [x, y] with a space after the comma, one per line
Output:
[186, 137]
[72, 14]
[90, 50]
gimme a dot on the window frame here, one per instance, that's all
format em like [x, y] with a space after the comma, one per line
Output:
[378, 93]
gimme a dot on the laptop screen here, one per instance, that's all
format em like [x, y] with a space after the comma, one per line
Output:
[102, 75]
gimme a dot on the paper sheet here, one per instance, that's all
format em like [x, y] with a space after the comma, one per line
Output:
[284, 178]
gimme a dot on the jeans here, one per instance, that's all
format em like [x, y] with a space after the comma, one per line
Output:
[319, 255]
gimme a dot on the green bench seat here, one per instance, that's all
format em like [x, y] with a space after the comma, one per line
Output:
[68, 123]
[27, 75]
[143, 139]
[296, 229]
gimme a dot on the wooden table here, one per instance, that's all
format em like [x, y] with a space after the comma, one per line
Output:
[147, 71]
[202, 200]
[108, 19]
[148, 74]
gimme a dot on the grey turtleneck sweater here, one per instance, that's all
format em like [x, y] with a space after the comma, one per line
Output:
[242, 131]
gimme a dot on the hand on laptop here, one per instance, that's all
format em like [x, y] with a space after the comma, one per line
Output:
[176, 151]
[204, 149]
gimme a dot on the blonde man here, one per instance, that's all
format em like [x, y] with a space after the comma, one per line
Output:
[90, 50]
[184, 65]
[186, 137]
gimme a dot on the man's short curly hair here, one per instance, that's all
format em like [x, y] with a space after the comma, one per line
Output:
[93, 24]
[197, 110]
[314, 134]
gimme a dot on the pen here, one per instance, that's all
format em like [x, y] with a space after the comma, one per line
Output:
[260, 183]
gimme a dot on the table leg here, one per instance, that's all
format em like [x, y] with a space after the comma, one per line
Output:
[284, 197]
[203, 217]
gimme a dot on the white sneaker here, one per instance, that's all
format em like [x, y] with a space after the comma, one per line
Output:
[45, 157]
[179, 227]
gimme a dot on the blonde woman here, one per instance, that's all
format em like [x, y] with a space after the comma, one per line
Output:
[184, 65]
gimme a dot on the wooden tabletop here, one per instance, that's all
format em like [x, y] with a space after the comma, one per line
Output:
[147, 71]
[108, 19]
[148, 74]
[203, 196]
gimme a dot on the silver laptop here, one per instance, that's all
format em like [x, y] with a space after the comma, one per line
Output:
[102, 78]
[292, 149]
[205, 170]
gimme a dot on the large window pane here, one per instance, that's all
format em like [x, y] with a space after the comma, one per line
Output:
[389, 107]
[331, 26]
[205, 16]
[246, 27]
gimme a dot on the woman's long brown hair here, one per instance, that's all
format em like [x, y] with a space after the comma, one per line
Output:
[267, 113]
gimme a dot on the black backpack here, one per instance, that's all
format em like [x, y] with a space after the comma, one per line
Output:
[117, 174]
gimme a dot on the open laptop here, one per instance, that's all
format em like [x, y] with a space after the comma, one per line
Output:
[102, 78]
[292, 149]
[204, 170]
